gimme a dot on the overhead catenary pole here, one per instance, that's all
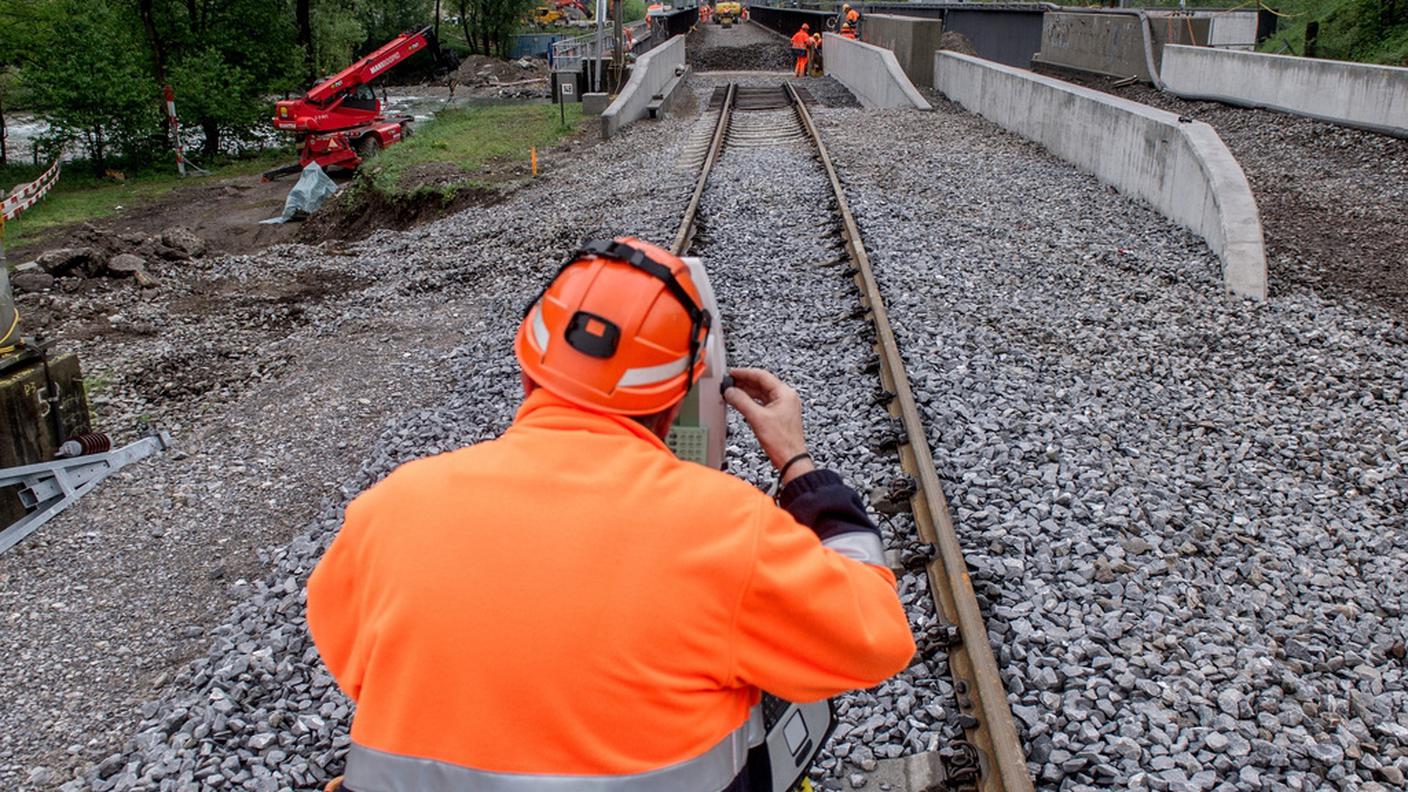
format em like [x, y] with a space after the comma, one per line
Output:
[618, 56]
[597, 53]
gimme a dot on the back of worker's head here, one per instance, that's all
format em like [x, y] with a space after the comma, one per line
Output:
[620, 329]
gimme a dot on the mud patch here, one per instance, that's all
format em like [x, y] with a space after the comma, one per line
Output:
[355, 214]
[226, 213]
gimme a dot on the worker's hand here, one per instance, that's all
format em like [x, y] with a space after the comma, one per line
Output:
[774, 412]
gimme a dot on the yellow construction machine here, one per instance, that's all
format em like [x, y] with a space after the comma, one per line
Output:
[727, 12]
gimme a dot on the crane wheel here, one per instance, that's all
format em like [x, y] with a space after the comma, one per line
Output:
[368, 147]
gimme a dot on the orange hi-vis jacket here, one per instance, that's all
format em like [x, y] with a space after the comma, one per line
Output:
[800, 39]
[571, 607]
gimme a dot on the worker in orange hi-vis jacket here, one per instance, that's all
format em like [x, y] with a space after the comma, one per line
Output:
[570, 605]
[850, 17]
[800, 41]
[814, 57]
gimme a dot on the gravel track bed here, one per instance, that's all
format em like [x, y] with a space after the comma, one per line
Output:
[743, 47]
[770, 238]
[1184, 512]
[256, 709]
[1331, 198]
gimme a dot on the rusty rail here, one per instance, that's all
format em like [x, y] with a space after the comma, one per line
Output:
[977, 683]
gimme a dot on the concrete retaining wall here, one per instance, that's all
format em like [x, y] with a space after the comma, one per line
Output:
[1347, 93]
[1234, 30]
[871, 72]
[1112, 44]
[649, 76]
[914, 40]
[1008, 33]
[1183, 169]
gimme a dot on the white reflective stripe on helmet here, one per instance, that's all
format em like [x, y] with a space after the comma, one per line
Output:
[540, 330]
[370, 770]
[650, 375]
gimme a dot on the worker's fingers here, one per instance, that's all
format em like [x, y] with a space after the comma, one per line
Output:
[760, 384]
[746, 405]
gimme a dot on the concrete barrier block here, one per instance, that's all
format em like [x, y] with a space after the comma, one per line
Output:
[1183, 170]
[1355, 94]
[914, 40]
[594, 103]
[649, 76]
[871, 73]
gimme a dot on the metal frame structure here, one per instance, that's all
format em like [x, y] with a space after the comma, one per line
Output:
[48, 488]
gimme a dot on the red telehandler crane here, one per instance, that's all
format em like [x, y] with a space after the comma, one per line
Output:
[339, 121]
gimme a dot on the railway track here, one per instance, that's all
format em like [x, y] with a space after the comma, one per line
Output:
[990, 757]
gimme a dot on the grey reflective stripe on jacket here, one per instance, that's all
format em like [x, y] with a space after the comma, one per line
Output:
[370, 770]
[863, 546]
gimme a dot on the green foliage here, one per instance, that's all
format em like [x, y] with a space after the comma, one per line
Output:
[489, 25]
[1372, 31]
[337, 35]
[383, 20]
[223, 58]
[92, 85]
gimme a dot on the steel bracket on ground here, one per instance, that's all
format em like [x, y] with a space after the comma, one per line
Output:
[47, 488]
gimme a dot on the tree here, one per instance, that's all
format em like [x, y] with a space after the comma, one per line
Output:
[489, 25]
[303, 18]
[92, 86]
[225, 57]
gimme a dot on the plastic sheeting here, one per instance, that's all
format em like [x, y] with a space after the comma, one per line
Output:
[313, 188]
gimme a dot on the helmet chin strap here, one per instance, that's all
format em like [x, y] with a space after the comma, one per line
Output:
[699, 318]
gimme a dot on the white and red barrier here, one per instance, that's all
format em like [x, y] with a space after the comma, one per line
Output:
[27, 195]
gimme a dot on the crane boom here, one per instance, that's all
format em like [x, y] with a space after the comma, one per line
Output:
[372, 66]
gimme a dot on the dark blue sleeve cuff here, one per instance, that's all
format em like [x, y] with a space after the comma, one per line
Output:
[821, 501]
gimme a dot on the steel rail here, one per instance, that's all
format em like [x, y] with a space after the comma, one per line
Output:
[716, 146]
[978, 684]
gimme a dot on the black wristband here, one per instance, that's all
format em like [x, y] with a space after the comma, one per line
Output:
[782, 471]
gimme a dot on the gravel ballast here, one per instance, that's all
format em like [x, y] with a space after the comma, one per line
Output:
[102, 607]
[769, 237]
[1331, 198]
[1184, 511]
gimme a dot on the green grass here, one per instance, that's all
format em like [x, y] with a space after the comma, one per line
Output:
[1352, 30]
[81, 196]
[470, 138]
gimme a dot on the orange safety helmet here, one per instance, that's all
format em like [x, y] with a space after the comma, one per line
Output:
[620, 329]
[805, 26]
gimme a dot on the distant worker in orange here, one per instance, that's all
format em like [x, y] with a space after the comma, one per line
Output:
[704, 12]
[572, 607]
[800, 41]
[814, 58]
[850, 17]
